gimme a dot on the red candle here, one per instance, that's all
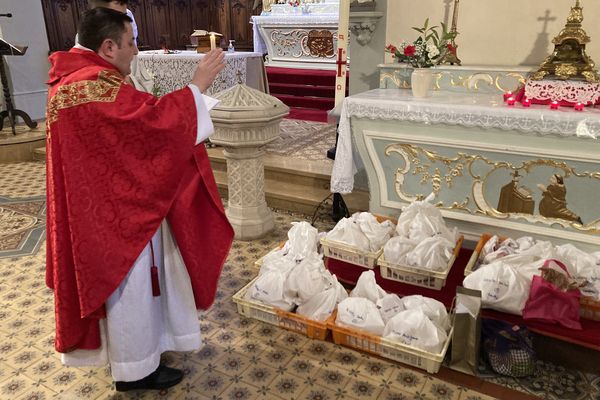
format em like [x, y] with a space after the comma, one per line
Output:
[554, 105]
[526, 103]
[507, 95]
[510, 101]
[579, 107]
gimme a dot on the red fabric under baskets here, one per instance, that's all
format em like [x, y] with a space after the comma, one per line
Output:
[589, 336]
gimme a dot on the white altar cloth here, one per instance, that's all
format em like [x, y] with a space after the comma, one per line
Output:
[173, 71]
[486, 111]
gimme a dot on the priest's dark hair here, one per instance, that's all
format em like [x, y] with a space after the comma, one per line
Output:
[99, 24]
[104, 3]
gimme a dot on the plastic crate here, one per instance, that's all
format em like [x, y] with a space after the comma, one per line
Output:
[258, 263]
[275, 316]
[589, 306]
[416, 276]
[473, 263]
[377, 345]
[349, 254]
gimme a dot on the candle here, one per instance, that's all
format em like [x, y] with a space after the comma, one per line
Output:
[526, 103]
[554, 105]
[507, 95]
[213, 43]
[579, 107]
[510, 101]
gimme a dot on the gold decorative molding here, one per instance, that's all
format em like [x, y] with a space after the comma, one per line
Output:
[439, 173]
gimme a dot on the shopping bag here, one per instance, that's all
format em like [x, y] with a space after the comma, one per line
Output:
[553, 297]
[508, 348]
[467, 331]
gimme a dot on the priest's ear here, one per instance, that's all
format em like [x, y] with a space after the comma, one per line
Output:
[108, 49]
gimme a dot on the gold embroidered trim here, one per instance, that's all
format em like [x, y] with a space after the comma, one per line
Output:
[104, 89]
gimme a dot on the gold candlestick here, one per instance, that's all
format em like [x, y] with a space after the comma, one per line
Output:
[451, 57]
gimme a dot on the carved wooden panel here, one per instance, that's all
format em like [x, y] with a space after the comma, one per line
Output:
[240, 13]
[202, 15]
[160, 22]
[139, 13]
[181, 13]
[62, 17]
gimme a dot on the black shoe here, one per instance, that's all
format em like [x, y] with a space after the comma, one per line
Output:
[162, 378]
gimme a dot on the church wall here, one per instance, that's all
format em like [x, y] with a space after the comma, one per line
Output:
[28, 73]
[364, 73]
[492, 32]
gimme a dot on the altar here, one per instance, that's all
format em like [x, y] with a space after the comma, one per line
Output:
[173, 71]
[297, 40]
[492, 167]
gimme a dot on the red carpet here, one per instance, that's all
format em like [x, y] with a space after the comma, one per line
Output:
[589, 336]
[310, 93]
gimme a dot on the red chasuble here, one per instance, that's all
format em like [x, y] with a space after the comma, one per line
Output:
[119, 161]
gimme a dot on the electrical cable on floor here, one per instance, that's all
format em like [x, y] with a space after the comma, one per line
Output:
[314, 217]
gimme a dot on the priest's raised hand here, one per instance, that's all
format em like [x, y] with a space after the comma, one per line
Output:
[208, 68]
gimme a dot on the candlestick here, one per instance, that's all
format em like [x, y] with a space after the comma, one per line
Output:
[213, 43]
[554, 105]
[507, 95]
[579, 107]
[526, 103]
[510, 101]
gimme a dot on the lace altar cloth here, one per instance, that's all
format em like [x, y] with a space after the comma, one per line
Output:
[174, 71]
[487, 111]
[567, 93]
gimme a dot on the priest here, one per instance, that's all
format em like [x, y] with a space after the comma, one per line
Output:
[139, 76]
[136, 232]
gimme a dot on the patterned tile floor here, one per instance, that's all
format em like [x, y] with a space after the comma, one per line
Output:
[241, 359]
[306, 140]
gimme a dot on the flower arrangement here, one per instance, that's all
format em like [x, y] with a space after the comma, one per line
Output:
[427, 49]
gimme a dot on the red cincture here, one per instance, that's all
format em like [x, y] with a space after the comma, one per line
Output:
[154, 274]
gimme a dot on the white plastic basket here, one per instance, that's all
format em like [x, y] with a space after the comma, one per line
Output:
[417, 276]
[373, 344]
[275, 316]
[589, 306]
[349, 254]
[258, 263]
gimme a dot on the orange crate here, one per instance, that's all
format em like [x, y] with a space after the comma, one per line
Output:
[278, 317]
[589, 307]
[377, 345]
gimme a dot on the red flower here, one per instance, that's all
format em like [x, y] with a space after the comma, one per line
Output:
[451, 49]
[410, 51]
[391, 48]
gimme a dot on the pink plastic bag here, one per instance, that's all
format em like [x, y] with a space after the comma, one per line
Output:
[549, 303]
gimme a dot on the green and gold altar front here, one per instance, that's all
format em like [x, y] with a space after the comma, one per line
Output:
[494, 168]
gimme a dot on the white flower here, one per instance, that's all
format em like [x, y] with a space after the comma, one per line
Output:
[432, 50]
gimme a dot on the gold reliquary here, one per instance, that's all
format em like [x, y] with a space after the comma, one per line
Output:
[569, 60]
